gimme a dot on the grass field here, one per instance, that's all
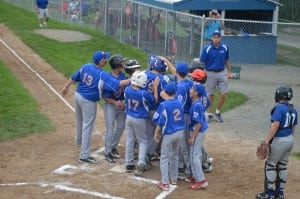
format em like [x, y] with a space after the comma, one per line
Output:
[65, 58]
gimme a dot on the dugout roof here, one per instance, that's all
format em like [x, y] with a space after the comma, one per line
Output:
[212, 4]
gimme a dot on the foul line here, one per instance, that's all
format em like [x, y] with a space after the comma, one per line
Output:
[38, 75]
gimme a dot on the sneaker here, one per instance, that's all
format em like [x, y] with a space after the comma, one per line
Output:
[199, 185]
[174, 182]
[210, 118]
[115, 154]
[190, 179]
[148, 162]
[181, 176]
[165, 187]
[280, 195]
[219, 117]
[181, 170]
[139, 170]
[45, 24]
[129, 168]
[265, 195]
[110, 158]
[41, 25]
[155, 156]
[89, 160]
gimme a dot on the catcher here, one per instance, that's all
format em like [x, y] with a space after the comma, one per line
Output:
[281, 140]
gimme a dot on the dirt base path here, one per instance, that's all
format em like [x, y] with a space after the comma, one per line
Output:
[28, 165]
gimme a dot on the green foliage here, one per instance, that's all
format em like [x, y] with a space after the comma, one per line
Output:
[290, 10]
[19, 114]
[297, 155]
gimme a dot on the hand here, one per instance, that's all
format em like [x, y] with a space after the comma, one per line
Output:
[156, 82]
[191, 140]
[157, 137]
[64, 92]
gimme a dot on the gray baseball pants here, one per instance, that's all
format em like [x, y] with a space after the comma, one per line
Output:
[85, 111]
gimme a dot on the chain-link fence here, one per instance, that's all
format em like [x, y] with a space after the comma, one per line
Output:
[178, 35]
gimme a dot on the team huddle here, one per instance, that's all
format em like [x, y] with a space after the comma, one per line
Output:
[164, 112]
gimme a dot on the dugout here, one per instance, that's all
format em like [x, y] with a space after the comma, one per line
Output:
[257, 37]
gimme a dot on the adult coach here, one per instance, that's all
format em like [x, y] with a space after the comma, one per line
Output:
[91, 78]
[42, 11]
[215, 57]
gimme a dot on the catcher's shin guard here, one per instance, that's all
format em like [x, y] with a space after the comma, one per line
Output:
[270, 176]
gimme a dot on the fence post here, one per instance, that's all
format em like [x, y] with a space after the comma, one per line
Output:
[105, 16]
[139, 25]
[202, 32]
[192, 21]
[166, 31]
[121, 21]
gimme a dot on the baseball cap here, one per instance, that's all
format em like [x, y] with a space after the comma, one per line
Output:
[198, 74]
[99, 55]
[182, 67]
[170, 88]
[216, 32]
[200, 89]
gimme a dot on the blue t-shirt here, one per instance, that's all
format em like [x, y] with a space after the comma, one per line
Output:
[197, 116]
[117, 95]
[137, 102]
[42, 4]
[214, 58]
[282, 115]
[212, 26]
[188, 103]
[91, 80]
[169, 116]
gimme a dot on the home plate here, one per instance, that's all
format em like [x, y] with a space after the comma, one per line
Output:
[118, 169]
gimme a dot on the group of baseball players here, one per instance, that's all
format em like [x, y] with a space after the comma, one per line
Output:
[165, 112]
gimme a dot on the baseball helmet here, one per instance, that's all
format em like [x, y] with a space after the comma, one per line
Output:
[116, 61]
[158, 65]
[139, 78]
[283, 92]
[131, 65]
[199, 75]
[195, 64]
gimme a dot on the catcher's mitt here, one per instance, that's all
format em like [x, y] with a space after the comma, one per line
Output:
[262, 150]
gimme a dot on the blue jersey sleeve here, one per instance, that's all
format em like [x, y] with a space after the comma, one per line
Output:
[158, 117]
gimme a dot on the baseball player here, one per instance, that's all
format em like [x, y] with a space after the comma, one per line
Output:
[215, 57]
[280, 137]
[114, 114]
[136, 100]
[157, 68]
[42, 11]
[197, 127]
[90, 78]
[131, 66]
[169, 118]
[200, 76]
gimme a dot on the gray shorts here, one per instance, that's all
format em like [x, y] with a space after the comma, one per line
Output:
[216, 79]
[43, 13]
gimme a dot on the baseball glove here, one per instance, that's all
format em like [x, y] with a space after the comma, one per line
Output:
[262, 150]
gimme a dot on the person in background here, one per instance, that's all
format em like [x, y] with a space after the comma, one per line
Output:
[213, 24]
[42, 11]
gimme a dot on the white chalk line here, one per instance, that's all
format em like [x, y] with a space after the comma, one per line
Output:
[37, 74]
[161, 196]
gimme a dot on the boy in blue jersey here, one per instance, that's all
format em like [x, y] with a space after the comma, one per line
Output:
[113, 107]
[280, 138]
[200, 76]
[196, 138]
[215, 57]
[157, 68]
[91, 78]
[137, 101]
[169, 118]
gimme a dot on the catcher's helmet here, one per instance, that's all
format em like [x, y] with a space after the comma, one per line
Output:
[116, 61]
[139, 78]
[195, 64]
[131, 66]
[283, 92]
[158, 65]
[199, 75]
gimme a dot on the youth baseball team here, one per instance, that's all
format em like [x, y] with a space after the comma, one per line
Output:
[165, 112]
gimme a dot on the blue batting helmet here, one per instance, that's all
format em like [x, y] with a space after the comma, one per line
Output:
[158, 65]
